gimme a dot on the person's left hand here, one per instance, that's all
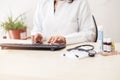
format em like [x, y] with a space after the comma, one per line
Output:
[57, 39]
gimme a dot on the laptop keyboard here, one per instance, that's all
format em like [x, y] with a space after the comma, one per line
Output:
[36, 46]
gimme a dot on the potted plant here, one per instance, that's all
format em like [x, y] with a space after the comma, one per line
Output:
[16, 28]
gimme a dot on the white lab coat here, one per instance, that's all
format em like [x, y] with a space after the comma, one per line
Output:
[71, 20]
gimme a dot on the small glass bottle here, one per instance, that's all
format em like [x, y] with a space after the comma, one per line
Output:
[105, 45]
[109, 45]
[113, 46]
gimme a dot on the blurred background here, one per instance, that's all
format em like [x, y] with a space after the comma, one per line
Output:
[106, 12]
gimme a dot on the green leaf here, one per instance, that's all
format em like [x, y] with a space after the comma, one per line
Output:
[16, 24]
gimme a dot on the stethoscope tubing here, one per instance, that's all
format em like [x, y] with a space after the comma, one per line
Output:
[81, 49]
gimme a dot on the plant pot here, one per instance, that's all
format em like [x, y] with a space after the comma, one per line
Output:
[18, 34]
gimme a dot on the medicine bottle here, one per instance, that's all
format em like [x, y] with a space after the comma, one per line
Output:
[105, 45]
[113, 46]
[109, 45]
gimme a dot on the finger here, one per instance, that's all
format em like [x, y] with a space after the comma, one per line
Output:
[61, 40]
[32, 38]
[39, 38]
[50, 40]
[55, 40]
[28, 37]
[64, 40]
[58, 39]
[35, 39]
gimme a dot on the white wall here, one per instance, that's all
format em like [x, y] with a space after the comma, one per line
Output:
[17, 7]
[107, 13]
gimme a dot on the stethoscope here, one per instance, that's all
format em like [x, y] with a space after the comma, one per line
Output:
[86, 48]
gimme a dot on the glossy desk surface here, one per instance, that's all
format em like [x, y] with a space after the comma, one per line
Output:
[50, 65]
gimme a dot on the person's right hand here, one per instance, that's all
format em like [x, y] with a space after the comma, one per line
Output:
[37, 38]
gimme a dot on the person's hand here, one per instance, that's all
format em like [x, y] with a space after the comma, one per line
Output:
[57, 39]
[37, 38]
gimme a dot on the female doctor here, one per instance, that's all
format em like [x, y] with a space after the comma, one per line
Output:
[63, 21]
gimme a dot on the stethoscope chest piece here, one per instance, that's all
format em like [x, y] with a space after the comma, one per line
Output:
[91, 53]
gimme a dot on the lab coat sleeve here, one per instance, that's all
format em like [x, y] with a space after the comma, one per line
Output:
[37, 21]
[86, 30]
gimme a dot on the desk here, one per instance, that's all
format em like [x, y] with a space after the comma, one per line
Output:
[50, 65]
